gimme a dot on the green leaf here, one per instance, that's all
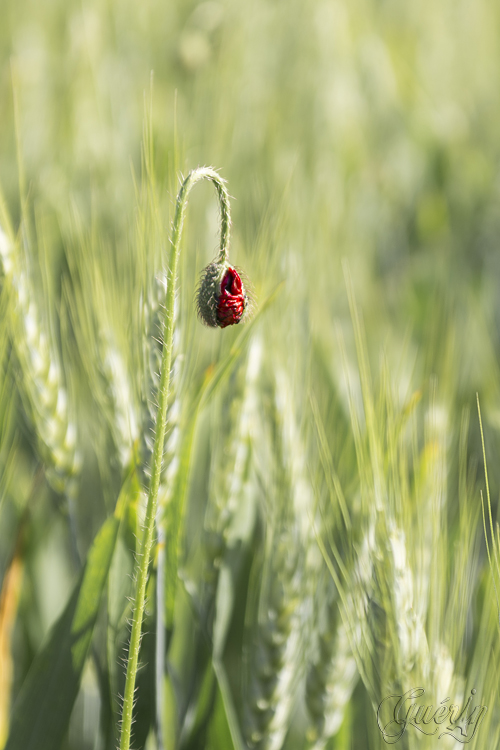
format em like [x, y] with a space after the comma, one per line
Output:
[42, 711]
[199, 711]
[219, 734]
[227, 724]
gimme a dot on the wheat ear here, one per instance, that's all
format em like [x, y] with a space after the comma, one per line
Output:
[43, 388]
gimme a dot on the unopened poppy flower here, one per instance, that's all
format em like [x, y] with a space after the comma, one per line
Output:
[222, 299]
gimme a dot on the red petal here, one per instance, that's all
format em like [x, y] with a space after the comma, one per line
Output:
[231, 304]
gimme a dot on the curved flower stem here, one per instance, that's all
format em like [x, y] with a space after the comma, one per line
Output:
[143, 557]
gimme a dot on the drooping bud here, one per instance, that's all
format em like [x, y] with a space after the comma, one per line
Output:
[221, 299]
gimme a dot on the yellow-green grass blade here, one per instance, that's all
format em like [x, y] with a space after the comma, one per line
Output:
[493, 559]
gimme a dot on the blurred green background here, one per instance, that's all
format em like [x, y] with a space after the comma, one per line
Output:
[360, 141]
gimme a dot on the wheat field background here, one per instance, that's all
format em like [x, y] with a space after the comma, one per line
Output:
[319, 541]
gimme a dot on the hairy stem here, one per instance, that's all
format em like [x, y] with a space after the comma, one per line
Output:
[143, 558]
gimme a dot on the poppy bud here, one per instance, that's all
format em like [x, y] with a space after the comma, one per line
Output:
[222, 299]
